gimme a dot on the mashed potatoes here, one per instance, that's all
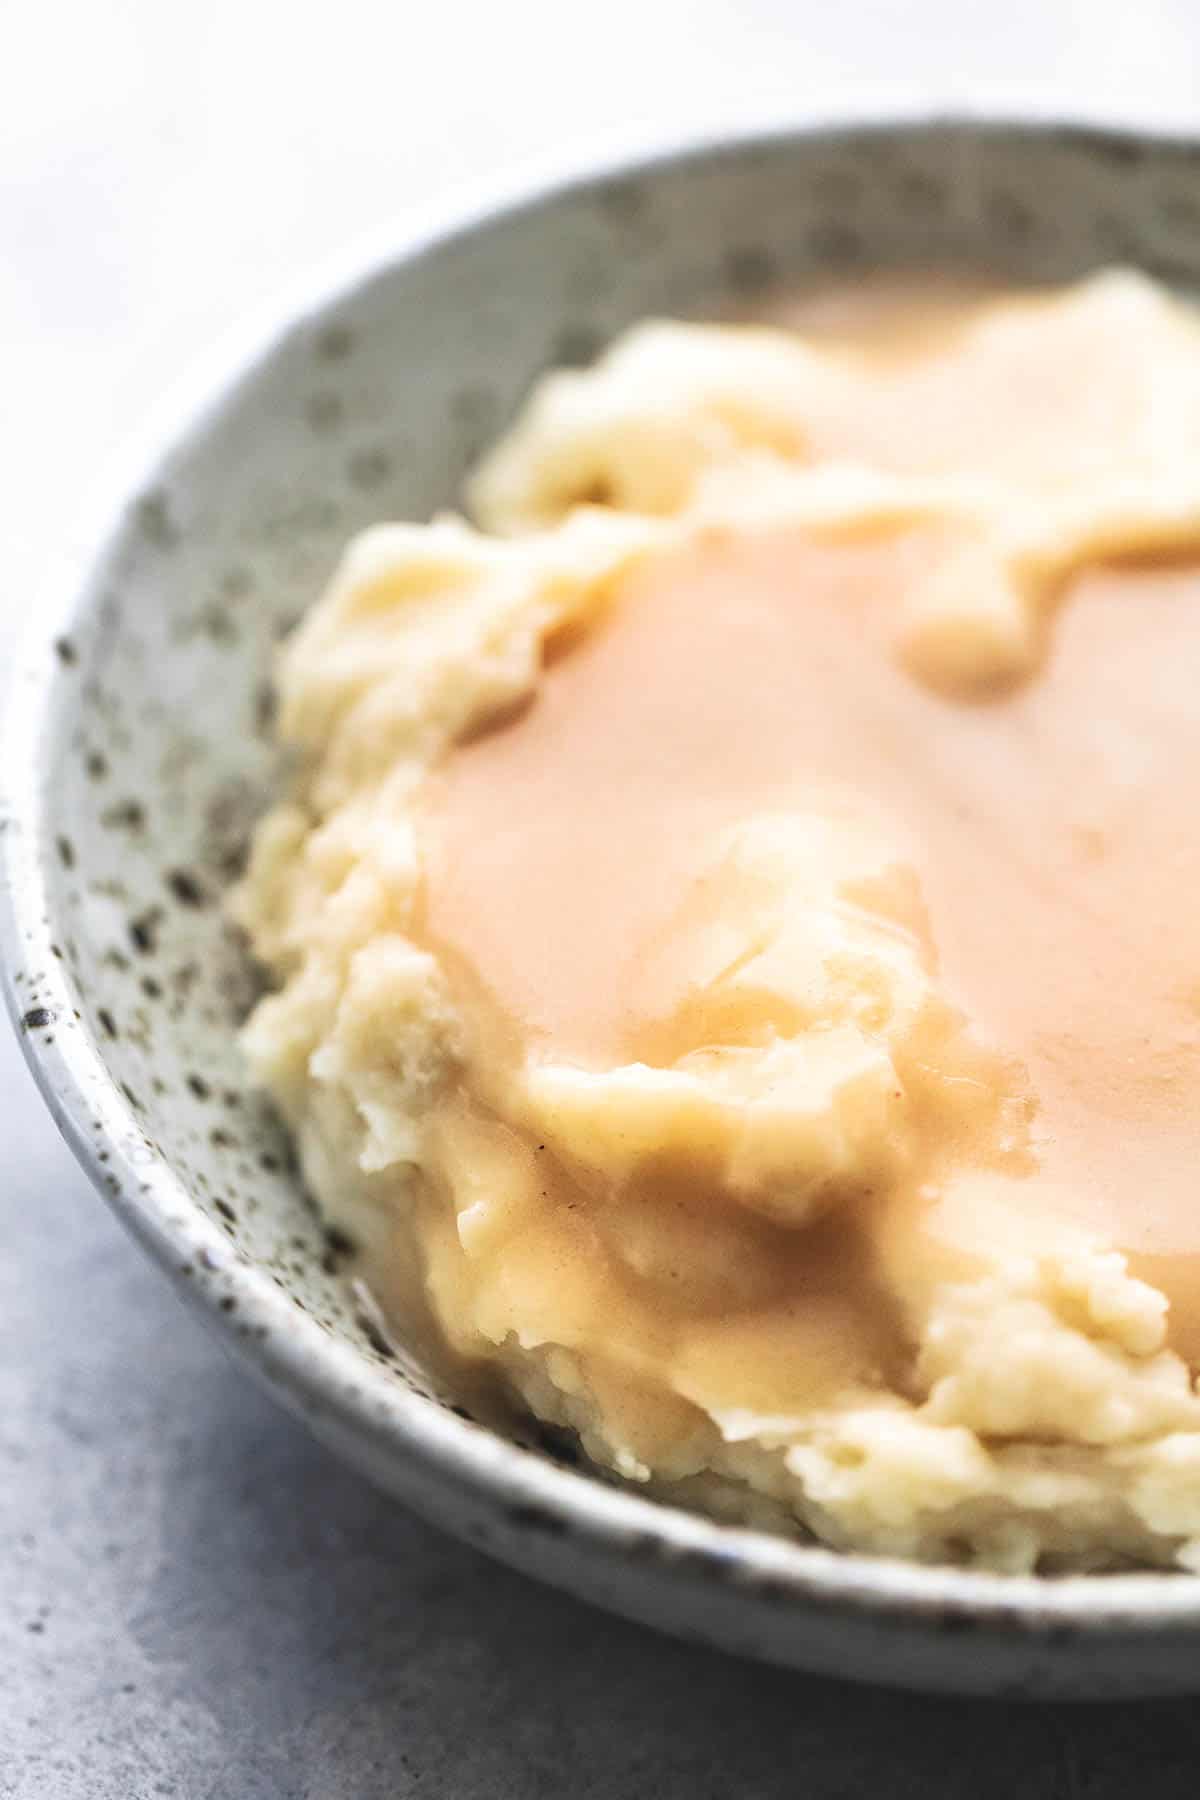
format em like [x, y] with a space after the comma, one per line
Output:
[732, 929]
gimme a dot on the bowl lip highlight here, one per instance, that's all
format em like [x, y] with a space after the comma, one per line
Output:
[319, 1376]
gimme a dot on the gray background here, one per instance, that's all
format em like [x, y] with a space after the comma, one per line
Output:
[194, 1598]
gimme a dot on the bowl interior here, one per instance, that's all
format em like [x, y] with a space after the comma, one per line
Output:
[156, 752]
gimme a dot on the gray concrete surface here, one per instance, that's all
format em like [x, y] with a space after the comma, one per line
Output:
[194, 1599]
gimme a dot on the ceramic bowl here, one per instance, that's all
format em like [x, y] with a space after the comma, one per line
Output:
[140, 750]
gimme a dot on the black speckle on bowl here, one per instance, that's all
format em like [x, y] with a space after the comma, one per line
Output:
[576, 345]
[370, 467]
[835, 244]
[919, 193]
[1101, 146]
[476, 406]
[183, 980]
[212, 621]
[143, 930]
[1010, 217]
[187, 889]
[155, 521]
[837, 189]
[537, 1518]
[1116, 239]
[375, 1337]
[334, 343]
[266, 707]
[237, 582]
[625, 202]
[338, 1250]
[126, 815]
[749, 270]
[324, 410]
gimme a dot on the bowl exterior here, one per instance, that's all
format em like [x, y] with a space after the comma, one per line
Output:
[139, 752]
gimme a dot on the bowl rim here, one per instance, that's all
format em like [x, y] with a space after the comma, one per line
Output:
[329, 1381]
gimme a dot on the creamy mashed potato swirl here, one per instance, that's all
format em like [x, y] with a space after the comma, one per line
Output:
[671, 1066]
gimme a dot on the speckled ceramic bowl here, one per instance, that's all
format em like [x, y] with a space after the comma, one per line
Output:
[140, 750]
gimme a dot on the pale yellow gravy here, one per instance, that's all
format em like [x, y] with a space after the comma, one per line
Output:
[1052, 828]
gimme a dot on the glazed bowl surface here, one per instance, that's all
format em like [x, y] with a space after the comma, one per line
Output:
[139, 752]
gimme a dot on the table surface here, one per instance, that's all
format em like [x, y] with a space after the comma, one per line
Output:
[195, 1599]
